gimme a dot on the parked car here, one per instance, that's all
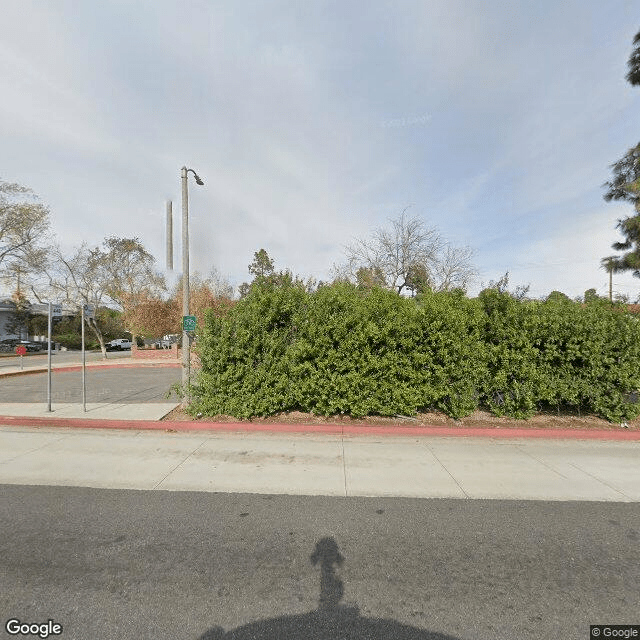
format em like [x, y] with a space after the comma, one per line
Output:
[32, 346]
[9, 345]
[169, 340]
[119, 344]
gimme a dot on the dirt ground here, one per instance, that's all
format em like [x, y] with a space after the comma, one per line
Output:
[478, 419]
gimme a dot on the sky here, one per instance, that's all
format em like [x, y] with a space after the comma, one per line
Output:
[313, 123]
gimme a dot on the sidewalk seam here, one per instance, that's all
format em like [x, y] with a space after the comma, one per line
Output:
[606, 484]
[344, 464]
[20, 455]
[179, 464]
[544, 464]
[466, 495]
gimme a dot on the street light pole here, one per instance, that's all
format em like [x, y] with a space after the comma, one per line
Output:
[186, 344]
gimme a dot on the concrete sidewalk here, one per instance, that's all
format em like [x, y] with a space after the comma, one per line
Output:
[73, 411]
[322, 464]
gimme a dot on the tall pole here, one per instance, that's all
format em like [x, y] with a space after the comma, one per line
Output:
[169, 236]
[186, 346]
[49, 361]
[610, 283]
[84, 367]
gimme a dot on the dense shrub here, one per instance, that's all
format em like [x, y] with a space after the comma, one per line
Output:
[588, 356]
[366, 351]
[69, 340]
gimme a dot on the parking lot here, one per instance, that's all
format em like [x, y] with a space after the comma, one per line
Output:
[128, 385]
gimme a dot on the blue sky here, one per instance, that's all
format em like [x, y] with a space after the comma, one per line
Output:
[312, 123]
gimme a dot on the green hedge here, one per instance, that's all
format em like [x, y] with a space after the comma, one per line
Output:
[361, 351]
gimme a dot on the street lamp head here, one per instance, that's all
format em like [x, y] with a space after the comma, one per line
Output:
[197, 177]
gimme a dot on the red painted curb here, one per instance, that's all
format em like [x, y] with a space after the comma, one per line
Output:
[356, 430]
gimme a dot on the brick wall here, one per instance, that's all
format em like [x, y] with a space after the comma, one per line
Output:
[174, 354]
[166, 354]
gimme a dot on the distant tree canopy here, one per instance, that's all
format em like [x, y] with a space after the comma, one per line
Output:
[633, 76]
[24, 228]
[408, 256]
[502, 286]
[120, 271]
[262, 264]
[625, 186]
[264, 274]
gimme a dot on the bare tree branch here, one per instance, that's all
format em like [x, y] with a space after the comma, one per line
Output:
[408, 256]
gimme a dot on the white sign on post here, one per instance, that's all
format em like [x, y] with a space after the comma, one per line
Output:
[56, 310]
[89, 311]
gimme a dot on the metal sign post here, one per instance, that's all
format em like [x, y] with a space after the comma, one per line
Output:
[84, 386]
[49, 360]
[188, 326]
[54, 311]
[88, 311]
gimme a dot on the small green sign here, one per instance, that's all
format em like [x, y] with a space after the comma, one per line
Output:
[188, 323]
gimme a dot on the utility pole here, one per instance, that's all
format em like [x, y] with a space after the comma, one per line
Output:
[186, 339]
[186, 346]
[169, 236]
[609, 264]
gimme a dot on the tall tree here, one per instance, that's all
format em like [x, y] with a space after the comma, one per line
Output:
[154, 316]
[262, 264]
[130, 274]
[409, 256]
[261, 267]
[625, 186]
[633, 76]
[79, 279]
[20, 318]
[120, 272]
[24, 227]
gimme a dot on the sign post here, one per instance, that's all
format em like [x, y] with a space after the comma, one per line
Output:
[188, 326]
[55, 310]
[88, 311]
[84, 386]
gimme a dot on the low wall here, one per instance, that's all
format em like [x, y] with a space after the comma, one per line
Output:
[172, 353]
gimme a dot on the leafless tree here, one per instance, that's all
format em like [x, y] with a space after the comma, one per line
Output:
[454, 269]
[408, 256]
[119, 273]
[77, 279]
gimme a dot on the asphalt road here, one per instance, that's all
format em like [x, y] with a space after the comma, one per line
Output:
[180, 565]
[128, 385]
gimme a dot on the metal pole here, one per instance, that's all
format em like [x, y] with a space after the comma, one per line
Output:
[84, 386]
[169, 235]
[49, 361]
[186, 347]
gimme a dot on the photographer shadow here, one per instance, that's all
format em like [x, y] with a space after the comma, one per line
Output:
[331, 619]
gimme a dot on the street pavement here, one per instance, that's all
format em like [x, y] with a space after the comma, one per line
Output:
[163, 565]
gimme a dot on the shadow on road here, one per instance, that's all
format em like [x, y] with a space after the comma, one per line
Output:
[330, 620]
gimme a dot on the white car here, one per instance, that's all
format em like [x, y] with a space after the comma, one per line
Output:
[169, 340]
[120, 344]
